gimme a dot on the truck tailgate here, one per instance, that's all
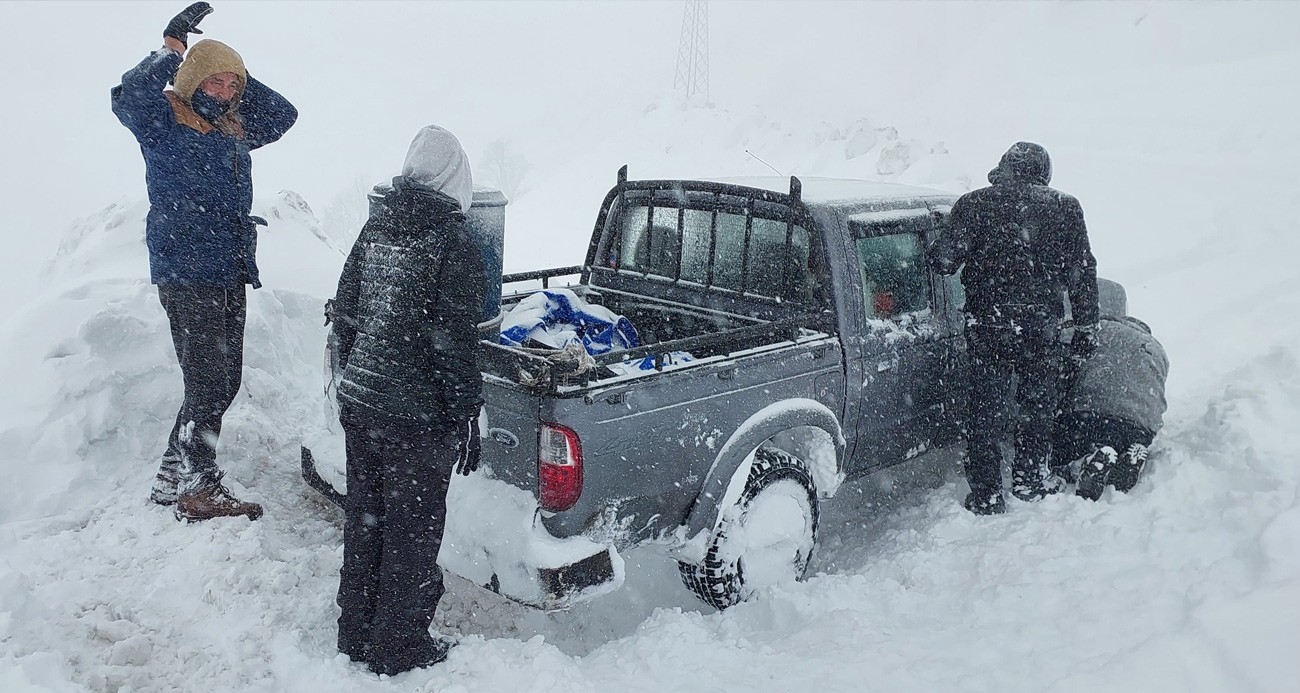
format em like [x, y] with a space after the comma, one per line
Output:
[510, 433]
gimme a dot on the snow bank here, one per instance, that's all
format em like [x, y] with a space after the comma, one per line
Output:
[93, 374]
[1191, 582]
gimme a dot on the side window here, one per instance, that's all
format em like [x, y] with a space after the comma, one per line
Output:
[956, 289]
[894, 280]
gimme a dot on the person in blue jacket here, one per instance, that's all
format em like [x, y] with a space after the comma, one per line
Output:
[196, 139]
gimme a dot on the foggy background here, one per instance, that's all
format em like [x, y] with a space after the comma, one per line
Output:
[1167, 120]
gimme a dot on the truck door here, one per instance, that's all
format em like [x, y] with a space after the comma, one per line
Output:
[903, 336]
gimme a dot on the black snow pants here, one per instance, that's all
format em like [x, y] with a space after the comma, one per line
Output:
[1013, 371]
[207, 325]
[396, 510]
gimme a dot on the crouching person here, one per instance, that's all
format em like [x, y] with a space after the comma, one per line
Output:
[405, 317]
[1113, 408]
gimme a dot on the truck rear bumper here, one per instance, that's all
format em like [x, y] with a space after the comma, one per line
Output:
[494, 536]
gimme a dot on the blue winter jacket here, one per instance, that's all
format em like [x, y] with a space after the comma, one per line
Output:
[199, 231]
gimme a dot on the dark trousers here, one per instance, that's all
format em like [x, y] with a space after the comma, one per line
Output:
[207, 327]
[1011, 371]
[396, 509]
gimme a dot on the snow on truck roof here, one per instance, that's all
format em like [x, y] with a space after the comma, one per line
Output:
[817, 190]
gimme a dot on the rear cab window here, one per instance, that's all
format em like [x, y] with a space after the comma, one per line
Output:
[725, 243]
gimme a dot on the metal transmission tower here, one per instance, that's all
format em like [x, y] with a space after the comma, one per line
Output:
[693, 52]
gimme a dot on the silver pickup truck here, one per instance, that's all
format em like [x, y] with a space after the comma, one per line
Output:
[791, 335]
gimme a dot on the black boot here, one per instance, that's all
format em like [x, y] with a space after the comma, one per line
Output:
[1029, 484]
[391, 659]
[985, 502]
[1094, 473]
[1128, 468]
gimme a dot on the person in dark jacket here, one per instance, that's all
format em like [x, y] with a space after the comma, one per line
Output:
[1026, 265]
[1113, 406]
[405, 326]
[196, 140]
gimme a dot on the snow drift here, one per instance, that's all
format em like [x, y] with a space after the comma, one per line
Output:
[1190, 583]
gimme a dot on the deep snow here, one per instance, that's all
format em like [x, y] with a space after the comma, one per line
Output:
[1174, 125]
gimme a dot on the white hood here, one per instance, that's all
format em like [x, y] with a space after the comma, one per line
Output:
[436, 160]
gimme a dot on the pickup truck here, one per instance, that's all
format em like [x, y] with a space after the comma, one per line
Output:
[819, 347]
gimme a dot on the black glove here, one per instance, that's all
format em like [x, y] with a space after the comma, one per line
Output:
[1083, 343]
[470, 447]
[187, 22]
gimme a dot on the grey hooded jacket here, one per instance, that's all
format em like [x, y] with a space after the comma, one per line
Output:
[1125, 376]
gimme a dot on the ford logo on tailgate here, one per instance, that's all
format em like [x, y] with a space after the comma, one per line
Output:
[504, 437]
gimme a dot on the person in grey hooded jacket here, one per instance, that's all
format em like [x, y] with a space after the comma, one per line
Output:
[405, 323]
[1113, 408]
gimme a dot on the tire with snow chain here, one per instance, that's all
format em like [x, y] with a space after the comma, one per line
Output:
[765, 538]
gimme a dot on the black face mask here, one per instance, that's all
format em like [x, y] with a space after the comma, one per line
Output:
[208, 107]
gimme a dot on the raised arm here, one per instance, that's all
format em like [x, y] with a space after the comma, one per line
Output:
[138, 102]
[266, 115]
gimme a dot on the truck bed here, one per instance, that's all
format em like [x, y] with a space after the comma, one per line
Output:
[665, 328]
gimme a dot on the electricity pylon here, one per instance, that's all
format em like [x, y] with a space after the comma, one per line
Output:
[693, 52]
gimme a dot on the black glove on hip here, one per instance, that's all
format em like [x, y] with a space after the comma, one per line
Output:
[187, 22]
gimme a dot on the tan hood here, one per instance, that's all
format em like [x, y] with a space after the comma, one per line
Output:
[204, 59]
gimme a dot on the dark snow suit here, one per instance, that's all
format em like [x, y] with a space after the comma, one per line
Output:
[1023, 251]
[405, 324]
[202, 241]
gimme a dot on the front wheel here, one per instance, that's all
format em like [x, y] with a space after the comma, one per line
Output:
[765, 538]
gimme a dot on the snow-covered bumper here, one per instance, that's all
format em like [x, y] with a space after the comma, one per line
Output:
[494, 536]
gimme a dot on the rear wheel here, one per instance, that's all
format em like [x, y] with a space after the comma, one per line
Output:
[765, 538]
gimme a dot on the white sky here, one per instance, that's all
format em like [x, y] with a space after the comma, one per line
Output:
[366, 75]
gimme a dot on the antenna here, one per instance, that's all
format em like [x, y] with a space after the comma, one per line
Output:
[764, 163]
[693, 50]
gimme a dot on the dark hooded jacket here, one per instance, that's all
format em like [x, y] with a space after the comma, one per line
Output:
[1024, 246]
[199, 175]
[406, 313]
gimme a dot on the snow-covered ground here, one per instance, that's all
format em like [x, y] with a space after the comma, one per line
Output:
[1174, 125]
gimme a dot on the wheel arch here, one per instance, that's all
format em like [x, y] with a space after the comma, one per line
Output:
[819, 427]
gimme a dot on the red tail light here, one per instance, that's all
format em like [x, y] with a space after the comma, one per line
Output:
[559, 468]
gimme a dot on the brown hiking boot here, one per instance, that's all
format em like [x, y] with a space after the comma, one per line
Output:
[213, 500]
